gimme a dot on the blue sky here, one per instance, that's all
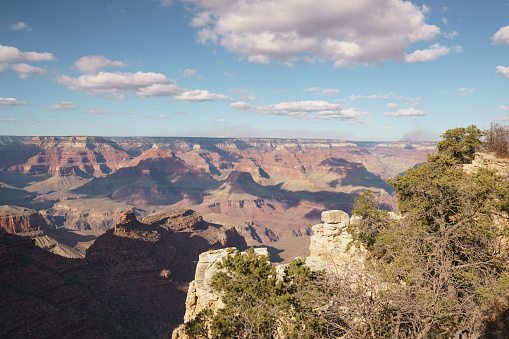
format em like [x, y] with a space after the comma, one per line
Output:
[356, 70]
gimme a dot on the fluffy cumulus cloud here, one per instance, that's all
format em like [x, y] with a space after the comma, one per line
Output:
[25, 70]
[502, 36]
[200, 95]
[391, 105]
[11, 102]
[315, 109]
[112, 85]
[159, 90]
[61, 106]
[348, 33]
[429, 54]
[9, 54]
[93, 64]
[406, 112]
[503, 71]
[503, 108]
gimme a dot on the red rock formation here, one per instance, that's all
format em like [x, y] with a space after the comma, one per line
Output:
[64, 155]
[24, 221]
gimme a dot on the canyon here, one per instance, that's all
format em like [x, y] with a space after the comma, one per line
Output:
[268, 189]
[132, 282]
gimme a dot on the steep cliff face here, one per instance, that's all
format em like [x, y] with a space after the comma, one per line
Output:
[21, 220]
[78, 155]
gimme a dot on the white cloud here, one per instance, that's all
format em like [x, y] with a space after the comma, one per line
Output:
[315, 109]
[164, 117]
[159, 90]
[98, 111]
[8, 120]
[165, 3]
[503, 108]
[222, 120]
[61, 106]
[180, 113]
[111, 85]
[406, 112]
[344, 32]
[414, 99]
[444, 20]
[248, 98]
[432, 53]
[502, 36]
[18, 26]
[93, 64]
[416, 104]
[11, 102]
[199, 95]
[10, 54]
[391, 105]
[25, 70]
[312, 89]
[372, 96]
[229, 75]
[503, 71]
[465, 91]
[388, 128]
[330, 91]
[189, 72]
[451, 35]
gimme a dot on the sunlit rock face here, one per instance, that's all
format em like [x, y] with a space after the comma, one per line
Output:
[329, 244]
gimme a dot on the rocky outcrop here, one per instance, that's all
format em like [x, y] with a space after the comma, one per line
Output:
[329, 251]
[201, 295]
[21, 220]
[329, 244]
[488, 160]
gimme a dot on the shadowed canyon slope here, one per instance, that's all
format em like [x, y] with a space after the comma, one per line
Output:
[132, 283]
[269, 189]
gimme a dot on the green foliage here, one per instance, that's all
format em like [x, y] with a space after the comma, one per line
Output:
[258, 304]
[436, 271]
[461, 143]
[373, 220]
[446, 254]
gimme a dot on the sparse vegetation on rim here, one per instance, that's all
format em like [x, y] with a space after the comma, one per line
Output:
[497, 140]
[439, 271]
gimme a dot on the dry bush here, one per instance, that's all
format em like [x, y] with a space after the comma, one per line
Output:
[497, 140]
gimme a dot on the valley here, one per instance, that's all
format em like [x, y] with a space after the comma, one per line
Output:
[268, 189]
